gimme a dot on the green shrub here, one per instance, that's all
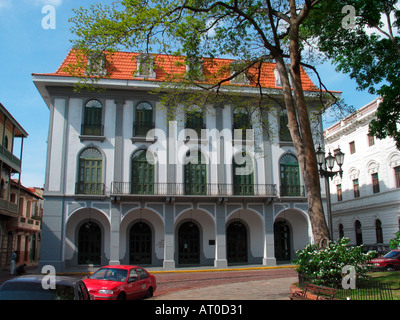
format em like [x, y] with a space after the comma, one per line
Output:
[325, 265]
[395, 242]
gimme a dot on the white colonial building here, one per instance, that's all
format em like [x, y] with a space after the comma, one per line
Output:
[114, 194]
[366, 200]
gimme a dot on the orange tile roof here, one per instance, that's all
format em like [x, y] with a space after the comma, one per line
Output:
[123, 65]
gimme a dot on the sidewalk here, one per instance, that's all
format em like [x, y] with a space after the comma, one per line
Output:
[274, 289]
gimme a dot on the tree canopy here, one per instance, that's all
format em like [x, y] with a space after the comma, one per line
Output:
[365, 43]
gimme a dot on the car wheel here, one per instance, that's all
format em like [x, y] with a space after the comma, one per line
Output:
[389, 268]
[149, 293]
[121, 296]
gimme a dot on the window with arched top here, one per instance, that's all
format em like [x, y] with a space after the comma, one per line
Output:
[289, 175]
[93, 118]
[143, 119]
[358, 231]
[90, 172]
[378, 231]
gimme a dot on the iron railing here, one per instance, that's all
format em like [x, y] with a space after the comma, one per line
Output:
[210, 189]
[141, 128]
[92, 130]
[89, 188]
[364, 288]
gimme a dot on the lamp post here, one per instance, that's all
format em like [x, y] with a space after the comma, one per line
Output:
[329, 162]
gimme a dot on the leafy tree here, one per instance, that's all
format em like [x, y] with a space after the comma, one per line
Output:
[251, 31]
[364, 42]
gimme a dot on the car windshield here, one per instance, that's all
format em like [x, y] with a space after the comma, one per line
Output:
[392, 254]
[110, 274]
[35, 291]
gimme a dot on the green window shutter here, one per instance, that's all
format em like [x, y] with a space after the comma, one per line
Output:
[142, 174]
[90, 172]
[290, 176]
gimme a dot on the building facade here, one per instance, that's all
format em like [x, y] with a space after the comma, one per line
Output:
[366, 200]
[12, 136]
[117, 193]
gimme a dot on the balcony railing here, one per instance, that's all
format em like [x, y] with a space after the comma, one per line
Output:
[208, 189]
[292, 191]
[9, 158]
[89, 188]
[92, 130]
[141, 128]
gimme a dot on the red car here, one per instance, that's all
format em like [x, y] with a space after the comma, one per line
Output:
[389, 261]
[121, 282]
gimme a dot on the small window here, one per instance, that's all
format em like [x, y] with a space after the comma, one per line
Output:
[371, 140]
[341, 231]
[339, 192]
[352, 147]
[96, 65]
[375, 183]
[397, 176]
[356, 188]
[194, 69]
[145, 66]
[378, 230]
[240, 68]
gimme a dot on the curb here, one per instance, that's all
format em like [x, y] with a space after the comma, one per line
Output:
[186, 271]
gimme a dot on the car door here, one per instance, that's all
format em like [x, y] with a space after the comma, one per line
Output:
[143, 282]
[132, 286]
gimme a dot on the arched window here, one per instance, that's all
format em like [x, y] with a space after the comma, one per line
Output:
[358, 230]
[196, 175]
[93, 115]
[142, 174]
[378, 231]
[290, 176]
[341, 231]
[90, 176]
[143, 119]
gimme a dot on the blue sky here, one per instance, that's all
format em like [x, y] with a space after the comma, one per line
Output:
[26, 48]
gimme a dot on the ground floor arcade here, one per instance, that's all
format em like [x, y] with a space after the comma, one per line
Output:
[173, 235]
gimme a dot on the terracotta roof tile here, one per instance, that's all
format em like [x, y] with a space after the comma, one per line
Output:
[123, 65]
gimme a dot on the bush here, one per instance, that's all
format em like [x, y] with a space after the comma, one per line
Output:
[395, 242]
[325, 265]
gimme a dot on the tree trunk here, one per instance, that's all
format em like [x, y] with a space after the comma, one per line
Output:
[300, 130]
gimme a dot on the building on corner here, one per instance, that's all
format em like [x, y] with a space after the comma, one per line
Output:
[115, 193]
[366, 200]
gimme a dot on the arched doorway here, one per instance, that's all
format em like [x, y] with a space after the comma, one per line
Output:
[140, 244]
[89, 243]
[236, 242]
[282, 240]
[189, 243]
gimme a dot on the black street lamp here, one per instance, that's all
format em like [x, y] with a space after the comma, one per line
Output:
[329, 162]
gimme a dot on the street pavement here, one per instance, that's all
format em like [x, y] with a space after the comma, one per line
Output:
[234, 283]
